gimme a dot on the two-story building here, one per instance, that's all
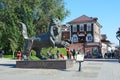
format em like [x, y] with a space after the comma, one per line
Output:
[85, 34]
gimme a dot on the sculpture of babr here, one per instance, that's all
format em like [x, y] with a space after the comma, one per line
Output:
[52, 38]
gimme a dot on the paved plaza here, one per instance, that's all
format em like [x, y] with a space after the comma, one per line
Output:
[91, 70]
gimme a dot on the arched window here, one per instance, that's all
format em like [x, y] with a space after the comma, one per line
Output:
[89, 38]
[74, 38]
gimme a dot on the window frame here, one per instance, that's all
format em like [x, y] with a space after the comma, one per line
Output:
[81, 27]
[74, 28]
[74, 38]
[89, 38]
[89, 27]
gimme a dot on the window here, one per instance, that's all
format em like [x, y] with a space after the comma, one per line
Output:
[81, 27]
[75, 38]
[74, 28]
[89, 28]
[89, 38]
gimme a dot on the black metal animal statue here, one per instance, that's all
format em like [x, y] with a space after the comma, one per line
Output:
[52, 38]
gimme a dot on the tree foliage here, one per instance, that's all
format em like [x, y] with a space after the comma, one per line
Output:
[34, 13]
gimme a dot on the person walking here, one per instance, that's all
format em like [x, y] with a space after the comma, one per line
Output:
[58, 54]
[68, 53]
[73, 53]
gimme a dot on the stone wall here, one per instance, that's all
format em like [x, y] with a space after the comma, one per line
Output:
[45, 64]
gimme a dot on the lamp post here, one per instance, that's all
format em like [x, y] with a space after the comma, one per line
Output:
[118, 37]
[84, 42]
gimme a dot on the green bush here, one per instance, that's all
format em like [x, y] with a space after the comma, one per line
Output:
[43, 52]
[53, 51]
[34, 58]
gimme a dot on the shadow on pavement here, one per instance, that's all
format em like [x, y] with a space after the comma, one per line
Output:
[9, 65]
[102, 60]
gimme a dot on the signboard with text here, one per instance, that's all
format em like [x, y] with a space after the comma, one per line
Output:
[80, 57]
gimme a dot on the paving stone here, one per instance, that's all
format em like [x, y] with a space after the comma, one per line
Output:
[90, 70]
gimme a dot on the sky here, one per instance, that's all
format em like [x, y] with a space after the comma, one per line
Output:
[107, 12]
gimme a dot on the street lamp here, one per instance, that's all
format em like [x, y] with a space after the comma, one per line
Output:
[118, 37]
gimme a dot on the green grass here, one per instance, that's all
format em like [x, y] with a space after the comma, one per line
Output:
[8, 56]
[43, 52]
[11, 57]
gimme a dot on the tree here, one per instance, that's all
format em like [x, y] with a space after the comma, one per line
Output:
[34, 13]
[50, 8]
[10, 33]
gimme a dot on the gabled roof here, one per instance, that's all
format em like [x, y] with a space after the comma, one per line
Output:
[83, 19]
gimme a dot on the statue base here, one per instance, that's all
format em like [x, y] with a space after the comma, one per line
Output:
[45, 64]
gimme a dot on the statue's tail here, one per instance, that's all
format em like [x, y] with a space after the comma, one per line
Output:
[24, 30]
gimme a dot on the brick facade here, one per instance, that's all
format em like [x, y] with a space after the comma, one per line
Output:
[85, 34]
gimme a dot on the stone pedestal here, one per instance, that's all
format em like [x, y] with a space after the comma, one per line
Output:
[45, 64]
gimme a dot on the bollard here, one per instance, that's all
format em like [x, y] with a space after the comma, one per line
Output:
[79, 66]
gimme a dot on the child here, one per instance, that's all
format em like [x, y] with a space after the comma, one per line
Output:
[19, 55]
[62, 56]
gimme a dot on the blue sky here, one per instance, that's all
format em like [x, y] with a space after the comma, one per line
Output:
[107, 12]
